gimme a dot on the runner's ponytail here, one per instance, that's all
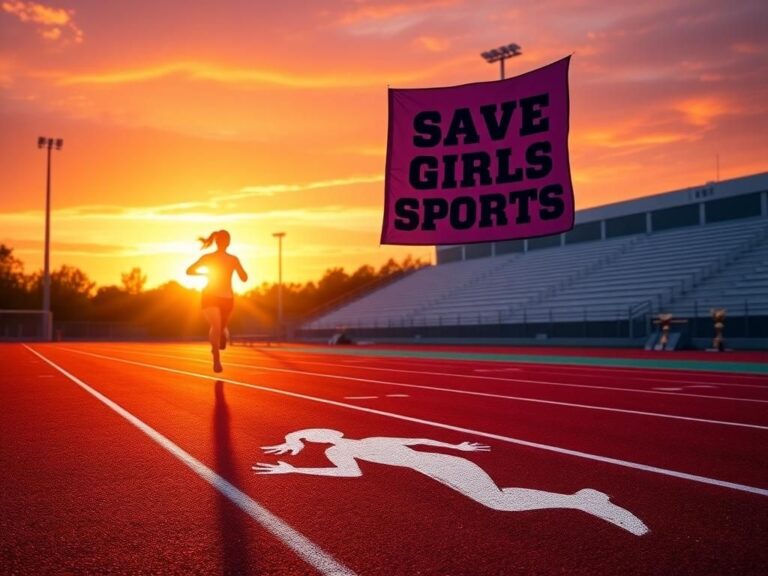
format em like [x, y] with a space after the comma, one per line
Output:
[207, 241]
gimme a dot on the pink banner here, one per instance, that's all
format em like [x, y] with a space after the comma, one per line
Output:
[479, 162]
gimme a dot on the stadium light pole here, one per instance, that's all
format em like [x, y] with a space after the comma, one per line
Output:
[49, 144]
[279, 236]
[500, 54]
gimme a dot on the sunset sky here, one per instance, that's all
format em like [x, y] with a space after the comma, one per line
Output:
[183, 117]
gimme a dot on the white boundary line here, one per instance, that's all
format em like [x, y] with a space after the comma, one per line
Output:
[557, 449]
[513, 380]
[457, 391]
[513, 398]
[307, 550]
[548, 383]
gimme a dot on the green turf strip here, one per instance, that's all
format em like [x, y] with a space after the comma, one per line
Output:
[660, 364]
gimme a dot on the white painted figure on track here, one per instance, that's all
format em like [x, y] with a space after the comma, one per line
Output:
[455, 472]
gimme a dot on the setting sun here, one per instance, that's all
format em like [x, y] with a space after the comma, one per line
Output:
[194, 282]
[177, 121]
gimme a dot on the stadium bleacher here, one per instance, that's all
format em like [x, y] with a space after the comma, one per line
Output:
[699, 249]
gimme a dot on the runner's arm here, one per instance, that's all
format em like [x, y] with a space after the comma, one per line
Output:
[241, 273]
[194, 269]
[346, 467]
[464, 446]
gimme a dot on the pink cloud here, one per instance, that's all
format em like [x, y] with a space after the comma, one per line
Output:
[433, 43]
[51, 22]
[387, 10]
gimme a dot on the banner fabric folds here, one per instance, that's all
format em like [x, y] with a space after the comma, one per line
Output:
[479, 162]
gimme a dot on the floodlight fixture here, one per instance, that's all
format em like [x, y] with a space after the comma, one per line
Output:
[502, 53]
[49, 144]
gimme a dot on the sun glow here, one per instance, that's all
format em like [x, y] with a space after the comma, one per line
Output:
[200, 281]
[197, 282]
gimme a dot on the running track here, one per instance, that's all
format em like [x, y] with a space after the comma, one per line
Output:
[136, 459]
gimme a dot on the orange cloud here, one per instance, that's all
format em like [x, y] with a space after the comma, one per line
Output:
[221, 74]
[272, 189]
[389, 10]
[611, 139]
[702, 111]
[51, 21]
[433, 44]
[391, 18]
[246, 76]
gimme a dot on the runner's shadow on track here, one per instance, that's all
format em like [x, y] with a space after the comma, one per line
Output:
[232, 522]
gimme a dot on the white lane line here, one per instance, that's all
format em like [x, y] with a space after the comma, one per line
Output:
[542, 382]
[668, 389]
[307, 550]
[471, 393]
[375, 397]
[478, 371]
[664, 375]
[568, 370]
[511, 440]
[548, 383]
[497, 370]
[469, 376]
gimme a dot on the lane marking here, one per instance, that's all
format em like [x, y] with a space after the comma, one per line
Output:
[498, 369]
[375, 397]
[577, 370]
[307, 550]
[520, 380]
[509, 439]
[468, 376]
[658, 363]
[701, 383]
[656, 373]
[533, 366]
[470, 393]
[455, 472]
[592, 374]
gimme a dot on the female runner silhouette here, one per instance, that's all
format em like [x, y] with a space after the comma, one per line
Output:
[457, 473]
[218, 298]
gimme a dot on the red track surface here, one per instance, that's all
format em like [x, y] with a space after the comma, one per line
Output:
[86, 491]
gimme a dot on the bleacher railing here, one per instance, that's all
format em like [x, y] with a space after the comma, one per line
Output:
[747, 318]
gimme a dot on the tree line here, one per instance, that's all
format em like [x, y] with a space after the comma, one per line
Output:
[172, 310]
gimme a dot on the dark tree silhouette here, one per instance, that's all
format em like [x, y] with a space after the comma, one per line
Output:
[133, 281]
[172, 311]
[14, 291]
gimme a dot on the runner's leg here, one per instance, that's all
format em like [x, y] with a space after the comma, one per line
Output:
[213, 315]
[226, 314]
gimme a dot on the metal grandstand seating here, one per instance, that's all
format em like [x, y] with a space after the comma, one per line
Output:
[519, 281]
[717, 265]
[658, 270]
[740, 285]
[396, 303]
